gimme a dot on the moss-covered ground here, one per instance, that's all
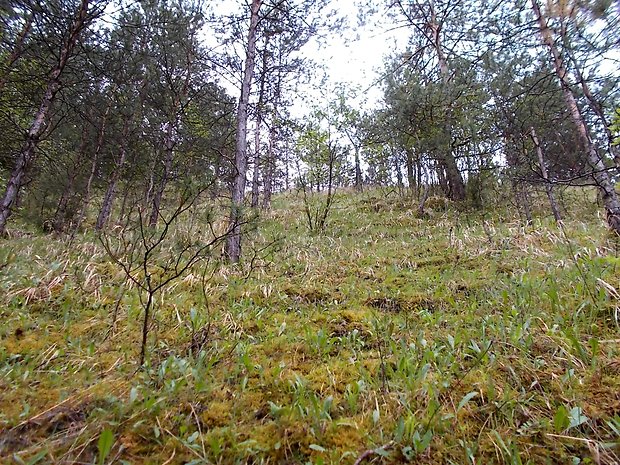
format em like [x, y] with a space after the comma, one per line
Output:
[458, 338]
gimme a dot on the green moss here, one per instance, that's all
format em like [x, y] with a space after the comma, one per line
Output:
[341, 343]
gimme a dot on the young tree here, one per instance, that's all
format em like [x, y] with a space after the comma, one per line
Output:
[233, 242]
[321, 164]
[350, 122]
[281, 28]
[176, 53]
[429, 20]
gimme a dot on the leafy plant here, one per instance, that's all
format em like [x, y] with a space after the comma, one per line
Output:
[104, 445]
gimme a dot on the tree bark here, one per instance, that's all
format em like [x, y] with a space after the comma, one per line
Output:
[108, 199]
[93, 170]
[456, 185]
[17, 51]
[167, 170]
[399, 173]
[270, 168]
[435, 30]
[600, 174]
[233, 242]
[358, 170]
[27, 156]
[60, 216]
[257, 163]
[543, 170]
[409, 160]
[259, 121]
[597, 108]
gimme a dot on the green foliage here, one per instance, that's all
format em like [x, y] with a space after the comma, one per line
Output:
[104, 445]
[389, 333]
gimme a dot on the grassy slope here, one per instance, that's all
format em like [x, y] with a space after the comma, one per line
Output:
[492, 345]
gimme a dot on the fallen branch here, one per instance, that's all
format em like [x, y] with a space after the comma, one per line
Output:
[371, 452]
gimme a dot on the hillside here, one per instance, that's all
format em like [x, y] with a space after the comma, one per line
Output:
[451, 339]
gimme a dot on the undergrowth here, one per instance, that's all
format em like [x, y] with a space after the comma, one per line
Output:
[455, 338]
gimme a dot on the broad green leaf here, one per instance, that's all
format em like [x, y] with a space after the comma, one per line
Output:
[576, 417]
[133, 394]
[104, 445]
[560, 419]
[375, 416]
[466, 399]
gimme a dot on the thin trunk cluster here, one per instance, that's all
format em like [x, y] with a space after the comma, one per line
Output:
[27, 155]
[600, 173]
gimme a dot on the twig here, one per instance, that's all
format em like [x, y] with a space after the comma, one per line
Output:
[202, 441]
[562, 436]
[174, 452]
[371, 452]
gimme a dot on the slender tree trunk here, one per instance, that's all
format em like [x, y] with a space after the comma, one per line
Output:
[423, 199]
[167, 170]
[126, 193]
[600, 174]
[409, 161]
[233, 242]
[60, 216]
[259, 121]
[270, 168]
[358, 170]
[26, 157]
[148, 197]
[93, 169]
[441, 177]
[543, 170]
[418, 173]
[399, 173]
[108, 199]
[435, 30]
[257, 162]
[597, 108]
[456, 186]
[17, 51]
[287, 175]
[145, 325]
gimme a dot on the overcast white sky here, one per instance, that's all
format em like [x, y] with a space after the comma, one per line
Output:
[355, 56]
[352, 56]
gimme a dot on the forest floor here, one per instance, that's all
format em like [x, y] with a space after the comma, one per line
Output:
[453, 339]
